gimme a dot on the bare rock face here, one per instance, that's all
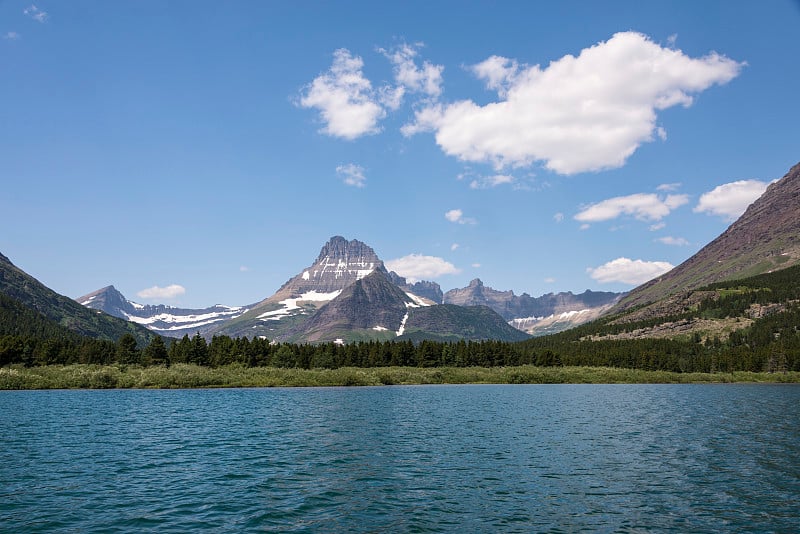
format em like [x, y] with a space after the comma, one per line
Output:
[765, 238]
[339, 264]
[429, 290]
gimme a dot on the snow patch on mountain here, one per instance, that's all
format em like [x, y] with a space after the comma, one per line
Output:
[291, 304]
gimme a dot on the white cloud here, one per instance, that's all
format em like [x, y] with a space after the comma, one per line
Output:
[344, 98]
[485, 182]
[476, 265]
[11, 36]
[642, 206]
[415, 267]
[558, 217]
[244, 269]
[549, 280]
[454, 246]
[674, 241]
[155, 292]
[457, 216]
[657, 226]
[730, 200]
[669, 187]
[352, 174]
[35, 13]
[628, 271]
[498, 72]
[426, 79]
[579, 114]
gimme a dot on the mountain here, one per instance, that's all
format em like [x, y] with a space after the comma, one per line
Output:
[339, 264]
[764, 239]
[348, 295]
[63, 311]
[549, 313]
[165, 320]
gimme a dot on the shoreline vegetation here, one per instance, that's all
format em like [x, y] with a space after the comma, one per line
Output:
[183, 376]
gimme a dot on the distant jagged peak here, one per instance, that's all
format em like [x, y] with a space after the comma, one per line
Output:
[354, 251]
[4, 259]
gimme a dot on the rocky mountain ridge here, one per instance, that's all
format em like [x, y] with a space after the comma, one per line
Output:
[165, 320]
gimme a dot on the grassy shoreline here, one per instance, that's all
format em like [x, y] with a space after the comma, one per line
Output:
[80, 376]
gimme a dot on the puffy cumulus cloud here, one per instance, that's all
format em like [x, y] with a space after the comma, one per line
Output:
[457, 216]
[673, 241]
[416, 267]
[627, 271]
[345, 98]
[729, 201]
[579, 114]
[352, 174]
[425, 79]
[155, 292]
[642, 206]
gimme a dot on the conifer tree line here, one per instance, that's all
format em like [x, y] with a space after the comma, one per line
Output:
[771, 343]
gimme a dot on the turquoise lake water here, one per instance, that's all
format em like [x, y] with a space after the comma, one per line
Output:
[558, 458]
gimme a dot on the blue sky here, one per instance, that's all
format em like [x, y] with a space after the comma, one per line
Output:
[194, 153]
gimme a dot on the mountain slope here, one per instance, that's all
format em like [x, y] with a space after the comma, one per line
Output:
[165, 320]
[765, 238]
[369, 308]
[449, 322]
[62, 310]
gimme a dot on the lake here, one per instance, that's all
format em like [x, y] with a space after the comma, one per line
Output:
[476, 458]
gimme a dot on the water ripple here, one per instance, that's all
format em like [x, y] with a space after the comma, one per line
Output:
[413, 459]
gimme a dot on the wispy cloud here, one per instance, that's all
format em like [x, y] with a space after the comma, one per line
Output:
[244, 269]
[673, 241]
[454, 247]
[668, 188]
[627, 271]
[352, 174]
[730, 200]
[642, 206]
[11, 36]
[35, 13]
[415, 267]
[457, 216]
[155, 292]
[579, 114]
[410, 78]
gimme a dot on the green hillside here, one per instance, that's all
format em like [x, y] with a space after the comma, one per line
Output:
[64, 311]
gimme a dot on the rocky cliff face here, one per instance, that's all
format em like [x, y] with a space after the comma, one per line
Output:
[764, 239]
[339, 264]
[165, 320]
[427, 290]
